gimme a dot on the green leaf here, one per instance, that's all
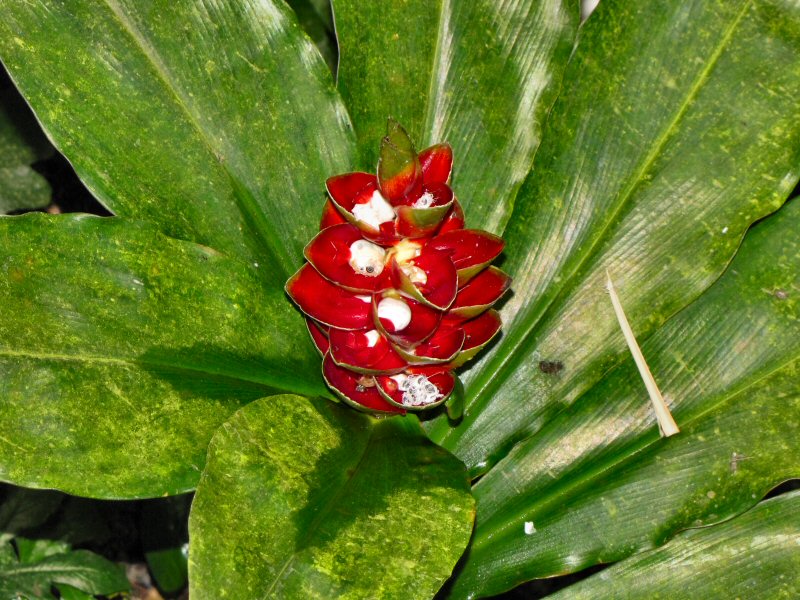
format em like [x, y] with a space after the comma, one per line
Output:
[164, 532]
[217, 121]
[598, 484]
[652, 167]
[8, 555]
[169, 568]
[306, 499]
[81, 569]
[122, 351]
[480, 74]
[753, 556]
[316, 18]
[67, 592]
[21, 144]
[32, 551]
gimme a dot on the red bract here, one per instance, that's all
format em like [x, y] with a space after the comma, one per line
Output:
[396, 291]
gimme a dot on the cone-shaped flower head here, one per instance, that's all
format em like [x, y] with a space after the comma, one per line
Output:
[396, 292]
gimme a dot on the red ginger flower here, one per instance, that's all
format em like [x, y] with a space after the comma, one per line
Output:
[396, 291]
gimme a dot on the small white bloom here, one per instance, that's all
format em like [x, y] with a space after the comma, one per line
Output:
[396, 311]
[417, 390]
[374, 212]
[426, 200]
[367, 258]
[415, 274]
[372, 337]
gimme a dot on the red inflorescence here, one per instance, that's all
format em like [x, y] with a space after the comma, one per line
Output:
[396, 292]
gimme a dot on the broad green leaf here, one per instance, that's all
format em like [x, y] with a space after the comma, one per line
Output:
[122, 351]
[597, 483]
[676, 128]
[216, 120]
[21, 143]
[81, 569]
[480, 74]
[307, 499]
[754, 556]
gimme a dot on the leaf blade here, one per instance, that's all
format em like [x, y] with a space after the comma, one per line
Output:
[182, 113]
[753, 556]
[600, 484]
[337, 496]
[457, 72]
[169, 337]
[87, 571]
[683, 157]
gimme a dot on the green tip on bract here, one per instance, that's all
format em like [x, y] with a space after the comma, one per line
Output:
[399, 169]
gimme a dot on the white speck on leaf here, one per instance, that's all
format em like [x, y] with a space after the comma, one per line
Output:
[529, 528]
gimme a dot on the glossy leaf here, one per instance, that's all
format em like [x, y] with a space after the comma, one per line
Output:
[121, 351]
[306, 499]
[598, 483]
[67, 592]
[652, 167]
[754, 556]
[187, 114]
[480, 75]
[169, 568]
[29, 550]
[84, 570]
[21, 144]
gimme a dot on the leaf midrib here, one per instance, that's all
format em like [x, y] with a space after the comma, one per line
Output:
[254, 217]
[555, 492]
[45, 569]
[132, 362]
[435, 69]
[497, 369]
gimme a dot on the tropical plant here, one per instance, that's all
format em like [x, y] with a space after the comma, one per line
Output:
[155, 352]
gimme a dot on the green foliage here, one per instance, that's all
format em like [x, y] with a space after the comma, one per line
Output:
[597, 482]
[648, 149]
[123, 350]
[39, 565]
[754, 556]
[307, 499]
[686, 166]
[170, 568]
[316, 18]
[217, 124]
[480, 74]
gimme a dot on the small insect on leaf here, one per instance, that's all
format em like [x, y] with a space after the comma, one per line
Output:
[551, 367]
